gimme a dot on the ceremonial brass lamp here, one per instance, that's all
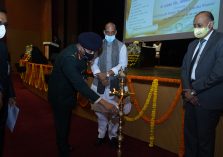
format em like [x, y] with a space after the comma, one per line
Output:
[121, 94]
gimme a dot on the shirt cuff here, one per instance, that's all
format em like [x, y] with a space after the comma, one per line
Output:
[96, 72]
[115, 71]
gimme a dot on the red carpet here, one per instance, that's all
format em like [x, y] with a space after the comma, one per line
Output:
[34, 135]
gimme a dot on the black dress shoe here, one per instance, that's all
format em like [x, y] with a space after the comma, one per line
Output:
[114, 142]
[99, 141]
[70, 148]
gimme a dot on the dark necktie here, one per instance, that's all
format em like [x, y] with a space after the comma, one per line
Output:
[195, 55]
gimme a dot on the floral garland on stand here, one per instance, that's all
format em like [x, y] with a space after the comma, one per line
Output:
[134, 51]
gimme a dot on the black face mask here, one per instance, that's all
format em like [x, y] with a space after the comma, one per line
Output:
[88, 56]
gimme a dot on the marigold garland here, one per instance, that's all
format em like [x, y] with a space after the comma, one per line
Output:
[31, 74]
[153, 114]
[171, 107]
[21, 64]
[27, 74]
[34, 75]
[145, 106]
[26, 57]
[154, 91]
[37, 81]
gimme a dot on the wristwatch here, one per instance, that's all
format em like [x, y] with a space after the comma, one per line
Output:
[193, 93]
[107, 74]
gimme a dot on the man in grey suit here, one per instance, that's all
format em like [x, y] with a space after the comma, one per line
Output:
[202, 79]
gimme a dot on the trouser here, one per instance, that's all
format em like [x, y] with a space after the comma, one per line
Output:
[107, 121]
[62, 118]
[199, 130]
[3, 117]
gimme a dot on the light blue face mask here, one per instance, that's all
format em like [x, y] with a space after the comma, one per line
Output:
[109, 38]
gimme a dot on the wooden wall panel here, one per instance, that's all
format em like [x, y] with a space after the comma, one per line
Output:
[29, 23]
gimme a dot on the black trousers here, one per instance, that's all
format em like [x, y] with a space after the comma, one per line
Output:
[199, 130]
[3, 117]
[62, 118]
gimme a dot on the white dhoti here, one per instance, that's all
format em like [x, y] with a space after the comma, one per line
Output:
[109, 121]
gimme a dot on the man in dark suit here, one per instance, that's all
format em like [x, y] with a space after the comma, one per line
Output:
[202, 79]
[7, 94]
[67, 78]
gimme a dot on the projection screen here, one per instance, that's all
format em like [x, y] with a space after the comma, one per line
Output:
[151, 20]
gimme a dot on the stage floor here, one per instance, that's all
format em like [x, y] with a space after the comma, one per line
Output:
[159, 71]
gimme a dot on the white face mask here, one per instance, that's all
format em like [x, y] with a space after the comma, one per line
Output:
[2, 31]
[110, 38]
[201, 32]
